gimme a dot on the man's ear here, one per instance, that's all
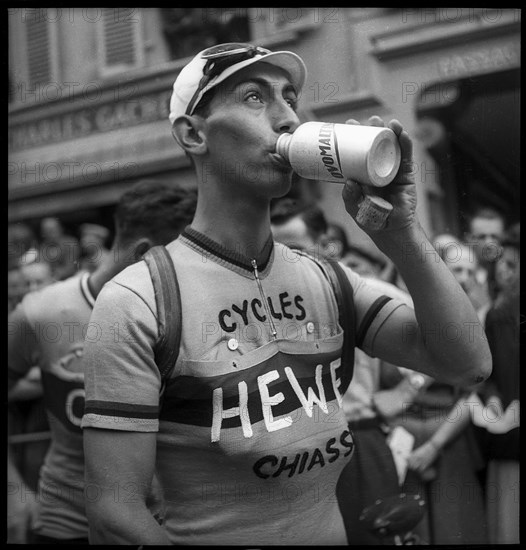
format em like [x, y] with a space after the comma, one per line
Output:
[188, 132]
[140, 248]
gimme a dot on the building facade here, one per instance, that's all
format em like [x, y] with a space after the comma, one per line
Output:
[90, 88]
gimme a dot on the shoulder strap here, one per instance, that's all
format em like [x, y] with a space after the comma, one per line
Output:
[344, 298]
[169, 315]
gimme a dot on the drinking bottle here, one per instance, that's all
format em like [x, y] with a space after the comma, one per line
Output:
[336, 152]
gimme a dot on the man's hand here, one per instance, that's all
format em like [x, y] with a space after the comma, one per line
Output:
[423, 457]
[400, 193]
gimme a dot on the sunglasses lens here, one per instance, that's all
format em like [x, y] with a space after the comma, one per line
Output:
[219, 58]
[228, 49]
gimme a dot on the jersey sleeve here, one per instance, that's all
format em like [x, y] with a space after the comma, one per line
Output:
[122, 381]
[374, 305]
[22, 344]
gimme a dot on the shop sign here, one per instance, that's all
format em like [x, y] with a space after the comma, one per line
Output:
[483, 60]
[84, 122]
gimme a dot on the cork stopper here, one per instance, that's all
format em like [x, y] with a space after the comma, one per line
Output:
[373, 212]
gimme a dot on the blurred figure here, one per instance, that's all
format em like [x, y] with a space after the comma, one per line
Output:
[463, 263]
[148, 214]
[36, 274]
[442, 241]
[93, 249]
[364, 262]
[334, 242]
[299, 227]
[25, 403]
[20, 238]
[58, 248]
[16, 287]
[485, 231]
[462, 260]
[507, 268]
[497, 412]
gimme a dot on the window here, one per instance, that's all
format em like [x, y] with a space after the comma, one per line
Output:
[120, 39]
[189, 30]
[38, 54]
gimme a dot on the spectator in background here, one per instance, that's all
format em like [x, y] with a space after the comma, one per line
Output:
[442, 241]
[497, 409]
[363, 261]
[148, 214]
[486, 228]
[35, 272]
[20, 238]
[462, 261]
[93, 238]
[25, 403]
[16, 287]
[58, 248]
[299, 226]
[335, 242]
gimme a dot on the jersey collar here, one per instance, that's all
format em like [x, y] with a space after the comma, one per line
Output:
[86, 292]
[228, 256]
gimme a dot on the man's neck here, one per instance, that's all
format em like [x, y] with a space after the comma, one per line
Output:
[240, 227]
[104, 272]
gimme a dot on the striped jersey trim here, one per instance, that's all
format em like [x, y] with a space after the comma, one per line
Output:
[86, 292]
[227, 255]
[378, 304]
[123, 410]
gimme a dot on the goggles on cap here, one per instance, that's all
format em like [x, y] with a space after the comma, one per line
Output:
[220, 58]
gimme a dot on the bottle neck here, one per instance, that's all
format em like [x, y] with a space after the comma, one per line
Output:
[283, 145]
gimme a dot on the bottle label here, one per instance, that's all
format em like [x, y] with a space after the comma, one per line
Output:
[329, 154]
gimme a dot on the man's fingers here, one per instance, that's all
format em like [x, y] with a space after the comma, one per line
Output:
[396, 126]
[352, 121]
[375, 121]
[352, 196]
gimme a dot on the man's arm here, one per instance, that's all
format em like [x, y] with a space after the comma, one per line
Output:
[27, 388]
[442, 336]
[119, 469]
[22, 349]
[424, 456]
[120, 421]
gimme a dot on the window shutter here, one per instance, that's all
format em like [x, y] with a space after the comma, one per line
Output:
[38, 51]
[120, 39]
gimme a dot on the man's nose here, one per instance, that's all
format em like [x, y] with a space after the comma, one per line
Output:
[285, 119]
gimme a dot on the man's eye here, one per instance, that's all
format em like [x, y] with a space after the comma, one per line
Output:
[253, 96]
[293, 102]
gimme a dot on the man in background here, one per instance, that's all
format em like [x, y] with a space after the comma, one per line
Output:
[486, 228]
[58, 248]
[49, 328]
[93, 248]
